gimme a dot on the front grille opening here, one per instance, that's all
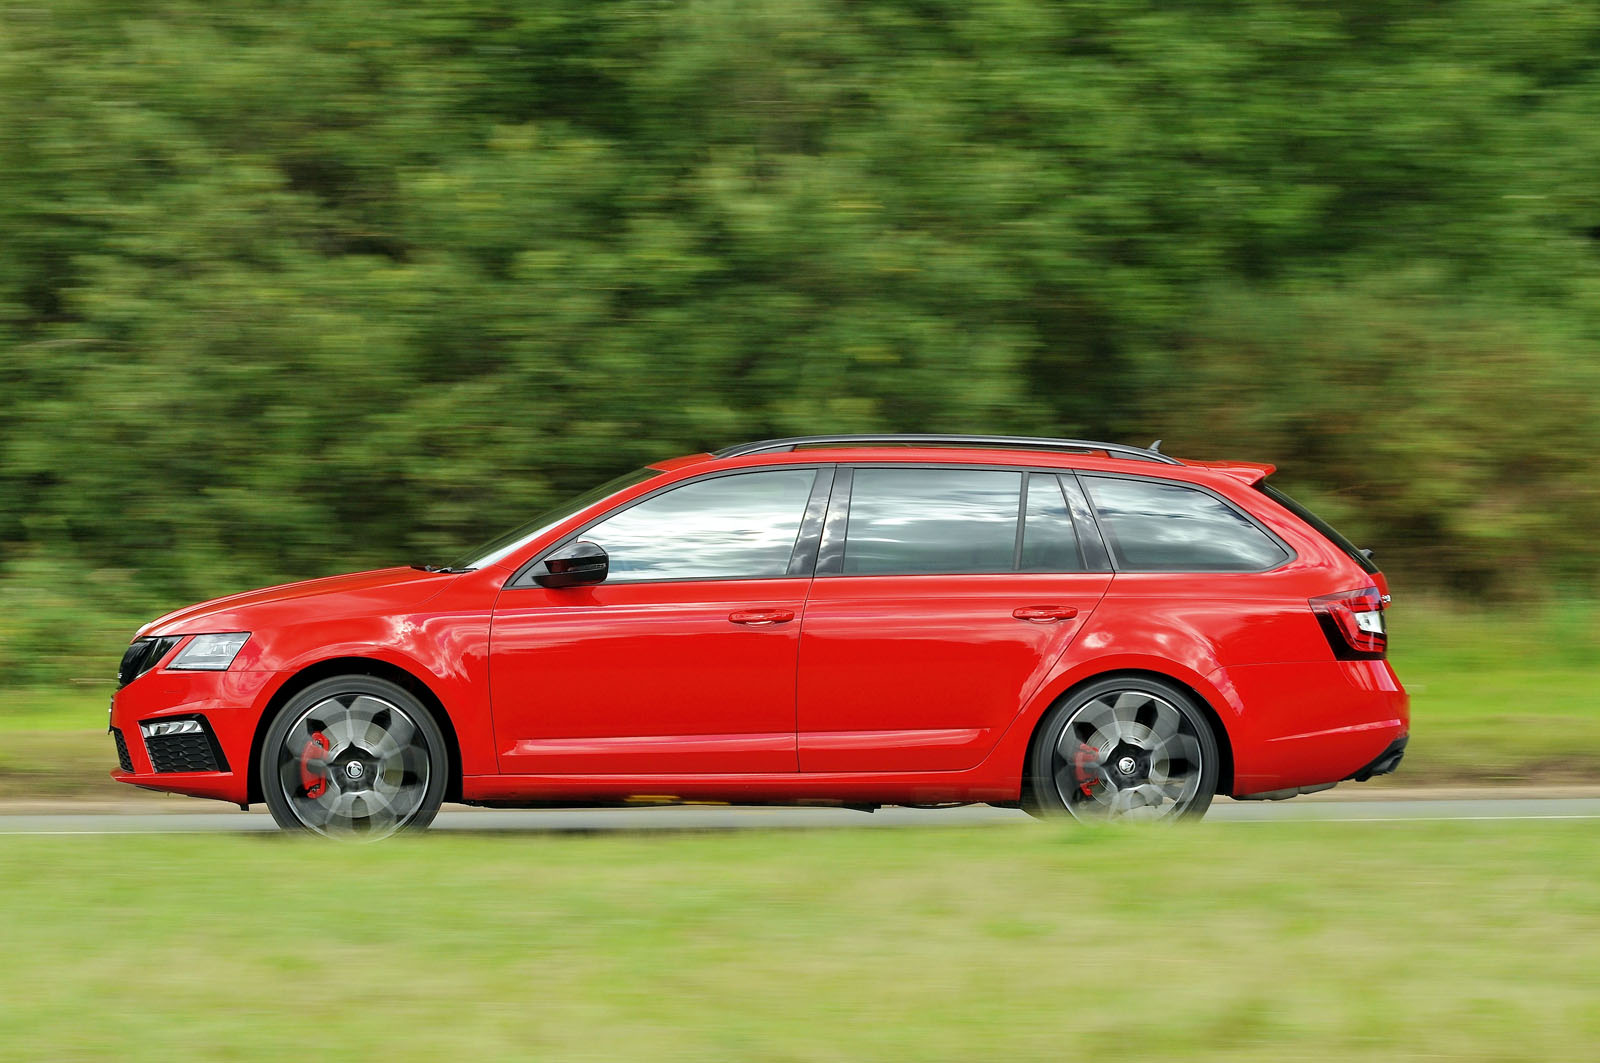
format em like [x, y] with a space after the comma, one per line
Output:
[142, 655]
[187, 751]
[124, 761]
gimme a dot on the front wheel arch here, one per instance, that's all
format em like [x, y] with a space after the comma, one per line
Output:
[1218, 731]
[356, 666]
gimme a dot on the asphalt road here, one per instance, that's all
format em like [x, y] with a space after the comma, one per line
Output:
[719, 818]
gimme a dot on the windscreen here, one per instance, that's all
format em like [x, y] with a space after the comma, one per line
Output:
[500, 546]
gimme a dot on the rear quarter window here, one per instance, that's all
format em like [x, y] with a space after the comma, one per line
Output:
[1167, 527]
[1323, 528]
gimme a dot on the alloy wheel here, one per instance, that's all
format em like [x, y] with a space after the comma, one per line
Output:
[354, 765]
[1128, 754]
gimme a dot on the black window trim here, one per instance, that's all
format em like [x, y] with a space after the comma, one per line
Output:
[830, 552]
[1022, 522]
[1110, 536]
[1090, 537]
[1054, 476]
[830, 557]
[802, 560]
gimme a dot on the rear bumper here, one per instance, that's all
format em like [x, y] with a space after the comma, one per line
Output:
[1306, 724]
[1382, 764]
[225, 701]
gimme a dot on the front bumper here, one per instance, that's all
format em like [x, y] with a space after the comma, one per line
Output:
[229, 705]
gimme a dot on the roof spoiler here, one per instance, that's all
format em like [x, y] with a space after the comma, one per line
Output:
[1251, 472]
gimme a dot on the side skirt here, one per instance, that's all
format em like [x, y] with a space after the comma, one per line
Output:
[789, 788]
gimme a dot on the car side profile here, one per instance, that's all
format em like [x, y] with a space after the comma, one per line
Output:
[1080, 628]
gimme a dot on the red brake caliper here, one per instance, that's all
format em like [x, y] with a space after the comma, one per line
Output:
[1084, 762]
[315, 785]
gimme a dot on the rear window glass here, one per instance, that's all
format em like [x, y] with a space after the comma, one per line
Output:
[1165, 527]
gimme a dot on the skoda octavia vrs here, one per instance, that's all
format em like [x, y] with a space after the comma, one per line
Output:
[1079, 628]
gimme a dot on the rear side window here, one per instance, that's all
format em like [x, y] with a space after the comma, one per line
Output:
[1049, 542]
[727, 527]
[930, 521]
[1165, 527]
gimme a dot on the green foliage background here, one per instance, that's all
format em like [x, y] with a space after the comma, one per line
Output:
[297, 287]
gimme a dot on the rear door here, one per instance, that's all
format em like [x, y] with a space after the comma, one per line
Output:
[943, 596]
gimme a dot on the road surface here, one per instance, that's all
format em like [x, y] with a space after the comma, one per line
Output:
[719, 818]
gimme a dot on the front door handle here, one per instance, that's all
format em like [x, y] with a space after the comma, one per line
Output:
[761, 616]
[1044, 614]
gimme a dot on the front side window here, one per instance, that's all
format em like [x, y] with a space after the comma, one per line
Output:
[930, 521]
[1165, 527]
[728, 527]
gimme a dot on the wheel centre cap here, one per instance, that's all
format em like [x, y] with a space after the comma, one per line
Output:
[1126, 765]
[354, 769]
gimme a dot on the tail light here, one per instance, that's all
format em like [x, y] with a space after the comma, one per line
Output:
[1353, 622]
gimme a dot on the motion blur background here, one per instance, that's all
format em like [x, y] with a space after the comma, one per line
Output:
[289, 288]
[292, 288]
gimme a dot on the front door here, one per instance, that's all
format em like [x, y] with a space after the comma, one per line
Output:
[683, 660]
[940, 604]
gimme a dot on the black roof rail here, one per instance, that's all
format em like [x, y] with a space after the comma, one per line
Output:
[1118, 450]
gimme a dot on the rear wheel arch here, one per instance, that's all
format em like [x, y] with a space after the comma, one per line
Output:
[1213, 718]
[336, 666]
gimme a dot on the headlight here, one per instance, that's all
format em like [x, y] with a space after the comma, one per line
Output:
[211, 653]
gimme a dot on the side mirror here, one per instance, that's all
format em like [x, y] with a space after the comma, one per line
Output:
[574, 565]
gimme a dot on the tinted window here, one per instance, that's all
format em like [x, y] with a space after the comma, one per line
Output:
[513, 540]
[727, 527]
[1166, 528]
[1327, 530]
[919, 521]
[1049, 543]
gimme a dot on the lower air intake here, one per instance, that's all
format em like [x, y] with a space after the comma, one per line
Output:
[124, 761]
[189, 751]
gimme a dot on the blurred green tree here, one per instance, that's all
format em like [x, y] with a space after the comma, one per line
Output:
[292, 287]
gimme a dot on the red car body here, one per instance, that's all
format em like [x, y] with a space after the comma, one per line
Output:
[847, 688]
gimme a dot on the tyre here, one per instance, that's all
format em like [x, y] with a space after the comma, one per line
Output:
[354, 756]
[1123, 748]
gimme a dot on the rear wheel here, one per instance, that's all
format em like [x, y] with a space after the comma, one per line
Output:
[354, 757]
[1124, 748]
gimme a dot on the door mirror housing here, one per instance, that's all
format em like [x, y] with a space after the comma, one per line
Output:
[577, 564]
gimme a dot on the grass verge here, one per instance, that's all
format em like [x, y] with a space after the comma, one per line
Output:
[1389, 941]
[1503, 696]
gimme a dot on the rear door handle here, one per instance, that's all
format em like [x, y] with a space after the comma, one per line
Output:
[1044, 614]
[761, 616]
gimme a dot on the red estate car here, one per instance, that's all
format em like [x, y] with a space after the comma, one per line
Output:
[1081, 628]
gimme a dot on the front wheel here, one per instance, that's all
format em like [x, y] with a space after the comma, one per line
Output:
[354, 757]
[1124, 748]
